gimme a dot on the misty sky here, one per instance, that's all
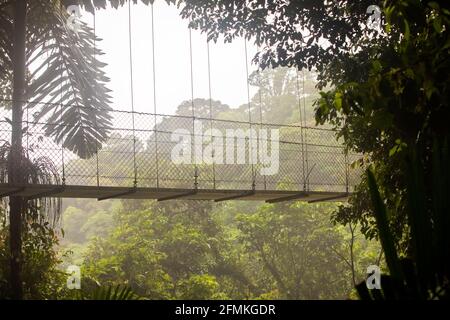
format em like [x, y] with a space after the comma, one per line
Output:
[173, 85]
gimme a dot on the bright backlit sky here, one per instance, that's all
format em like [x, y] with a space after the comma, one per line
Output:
[173, 81]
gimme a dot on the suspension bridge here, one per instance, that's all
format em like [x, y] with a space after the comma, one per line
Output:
[135, 163]
[136, 160]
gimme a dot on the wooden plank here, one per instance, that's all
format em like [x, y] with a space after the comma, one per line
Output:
[330, 198]
[297, 196]
[118, 195]
[178, 196]
[237, 196]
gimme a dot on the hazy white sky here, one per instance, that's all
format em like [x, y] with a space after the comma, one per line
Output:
[173, 84]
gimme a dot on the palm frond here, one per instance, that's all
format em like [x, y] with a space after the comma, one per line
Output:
[67, 84]
[108, 293]
[6, 31]
[91, 5]
[40, 170]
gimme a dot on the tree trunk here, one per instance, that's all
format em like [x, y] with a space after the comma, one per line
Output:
[15, 173]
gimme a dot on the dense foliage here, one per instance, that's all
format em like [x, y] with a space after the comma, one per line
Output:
[197, 250]
[42, 276]
[424, 275]
[385, 91]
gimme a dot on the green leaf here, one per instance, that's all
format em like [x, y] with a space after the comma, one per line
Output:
[386, 239]
[393, 151]
[376, 66]
[338, 100]
[406, 32]
[73, 81]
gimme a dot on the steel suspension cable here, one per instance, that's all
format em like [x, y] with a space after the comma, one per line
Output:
[301, 129]
[306, 130]
[210, 115]
[61, 121]
[28, 134]
[193, 111]
[249, 116]
[63, 180]
[95, 117]
[154, 98]
[261, 116]
[347, 172]
[132, 93]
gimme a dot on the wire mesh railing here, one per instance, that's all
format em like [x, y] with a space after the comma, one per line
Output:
[141, 147]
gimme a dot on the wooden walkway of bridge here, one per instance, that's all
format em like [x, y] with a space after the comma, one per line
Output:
[162, 194]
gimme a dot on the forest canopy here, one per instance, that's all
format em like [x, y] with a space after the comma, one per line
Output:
[383, 91]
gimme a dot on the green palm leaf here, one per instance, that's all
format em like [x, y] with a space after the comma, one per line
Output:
[69, 80]
[108, 293]
[65, 83]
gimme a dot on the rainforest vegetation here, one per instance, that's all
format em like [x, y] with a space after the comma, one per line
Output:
[384, 91]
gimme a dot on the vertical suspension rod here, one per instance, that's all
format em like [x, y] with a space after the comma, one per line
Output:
[62, 145]
[154, 98]
[261, 116]
[301, 130]
[347, 172]
[132, 94]
[95, 118]
[28, 134]
[249, 115]
[193, 110]
[306, 131]
[210, 114]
